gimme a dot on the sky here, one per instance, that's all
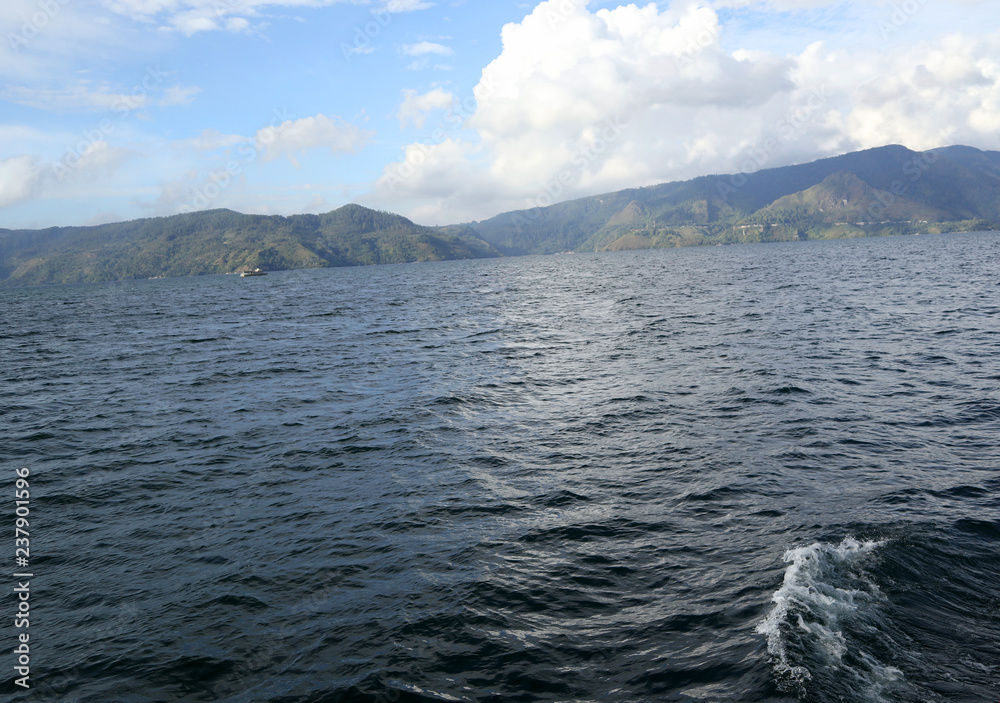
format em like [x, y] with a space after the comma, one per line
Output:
[451, 111]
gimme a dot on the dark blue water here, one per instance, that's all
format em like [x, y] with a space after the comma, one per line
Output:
[759, 473]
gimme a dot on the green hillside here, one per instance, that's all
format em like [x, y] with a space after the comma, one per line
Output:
[221, 241]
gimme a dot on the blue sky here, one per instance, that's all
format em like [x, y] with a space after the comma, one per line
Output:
[453, 111]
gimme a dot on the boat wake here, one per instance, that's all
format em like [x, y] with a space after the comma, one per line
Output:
[816, 630]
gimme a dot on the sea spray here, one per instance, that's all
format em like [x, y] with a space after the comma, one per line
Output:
[807, 630]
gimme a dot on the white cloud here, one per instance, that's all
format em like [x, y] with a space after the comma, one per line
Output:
[294, 137]
[317, 204]
[85, 95]
[194, 16]
[777, 5]
[77, 97]
[359, 50]
[98, 158]
[426, 47]
[922, 96]
[238, 25]
[406, 5]
[20, 179]
[214, 18]
[196, 21]
[429, 177]
[42, 39]
[142, 8]
[174, 194]
[179, 95]
[565, 77]
[581, 102]
[216, 169]
[24, 178]
[27, 177]
[414, 107]
[785, 5]
[212, 139]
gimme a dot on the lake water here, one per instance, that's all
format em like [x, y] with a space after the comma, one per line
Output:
[748, 473]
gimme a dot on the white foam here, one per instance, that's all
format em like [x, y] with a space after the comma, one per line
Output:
[810, 607]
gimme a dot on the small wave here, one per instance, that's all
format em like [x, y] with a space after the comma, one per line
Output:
[790, 390]
[807, 630]
[561, 498]
[450, 400]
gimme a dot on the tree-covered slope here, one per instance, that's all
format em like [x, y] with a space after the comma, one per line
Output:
[845, 198]
[221, 241]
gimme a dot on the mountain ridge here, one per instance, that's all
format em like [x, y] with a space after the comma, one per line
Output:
[875, 192]
[224, 241]
[960, 184]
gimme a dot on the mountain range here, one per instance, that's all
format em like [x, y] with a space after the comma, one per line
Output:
[882, 191]
[887, 190]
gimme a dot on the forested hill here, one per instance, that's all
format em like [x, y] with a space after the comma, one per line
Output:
[888, 190]
[221, 241]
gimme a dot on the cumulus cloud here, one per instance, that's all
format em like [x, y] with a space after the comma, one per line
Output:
[566, 76]
[429, 177]
[294, 137]
[27, 177]
[20, 179]
[583, 101]
[925, 96]
[99, 157]
[414, 107]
